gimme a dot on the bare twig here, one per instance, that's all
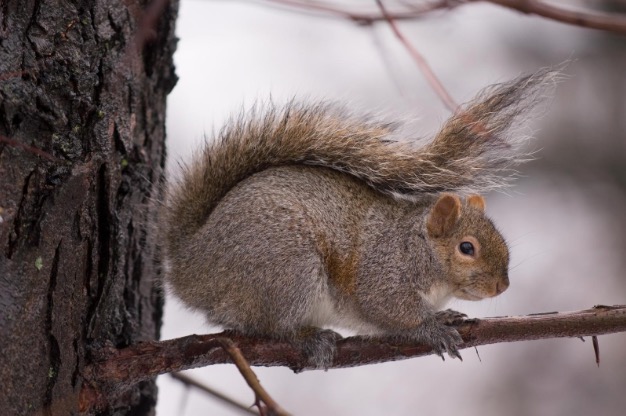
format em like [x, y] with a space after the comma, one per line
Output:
[593, 20]
[363, 18]
[244, 368]
[123, 367]
[477, 354]
[188, 381]
[596, 349]
[601, 21]
[429, 74]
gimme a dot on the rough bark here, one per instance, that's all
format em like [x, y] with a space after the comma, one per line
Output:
[82, 115]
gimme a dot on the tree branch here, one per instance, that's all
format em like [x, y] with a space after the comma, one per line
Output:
[421, 62]
[615, 23]
[119, 368]
[188, 381]
[363, 18]
[260, 394]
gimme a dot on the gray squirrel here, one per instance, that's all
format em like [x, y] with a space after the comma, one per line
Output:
[304, 217]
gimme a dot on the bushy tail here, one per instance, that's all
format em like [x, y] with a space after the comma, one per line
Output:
[471, 153]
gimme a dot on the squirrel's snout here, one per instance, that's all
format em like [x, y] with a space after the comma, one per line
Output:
[502, 285]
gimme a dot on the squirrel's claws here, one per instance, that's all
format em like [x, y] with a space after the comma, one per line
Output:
[442, 337]
[450, 317]
[454, 353]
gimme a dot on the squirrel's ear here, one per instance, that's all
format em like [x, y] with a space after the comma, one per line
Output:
[444, 216]
[477, 201]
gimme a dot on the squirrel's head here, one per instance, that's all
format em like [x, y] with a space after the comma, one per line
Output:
[471, 250]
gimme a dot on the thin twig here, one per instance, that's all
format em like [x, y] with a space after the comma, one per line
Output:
[593, 20]
[477, 354]
[188, 381]
[596, 349]
[429, 74]
[363, 18]
[244, 368]
[602, 21]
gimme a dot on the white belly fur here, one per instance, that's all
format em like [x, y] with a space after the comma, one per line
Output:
[437, 296]
[325, 312]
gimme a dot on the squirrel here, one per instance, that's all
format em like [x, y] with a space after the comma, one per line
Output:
[299, 218]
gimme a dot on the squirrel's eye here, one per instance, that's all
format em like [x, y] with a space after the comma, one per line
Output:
[467, 248]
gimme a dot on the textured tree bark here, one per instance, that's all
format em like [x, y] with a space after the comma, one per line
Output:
[82, 129]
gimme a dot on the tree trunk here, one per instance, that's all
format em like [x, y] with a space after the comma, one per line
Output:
[82, 130]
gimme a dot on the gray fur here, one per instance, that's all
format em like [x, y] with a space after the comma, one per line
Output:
[268, 246]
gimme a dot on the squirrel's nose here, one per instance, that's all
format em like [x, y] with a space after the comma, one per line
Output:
[502, 284]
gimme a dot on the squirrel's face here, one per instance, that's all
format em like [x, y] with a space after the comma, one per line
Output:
[471, 250]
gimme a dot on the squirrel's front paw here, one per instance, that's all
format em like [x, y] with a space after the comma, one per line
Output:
[450, 317]
[441, 336]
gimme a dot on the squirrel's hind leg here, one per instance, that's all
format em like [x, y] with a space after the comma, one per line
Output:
[319, 346]
[279, 311]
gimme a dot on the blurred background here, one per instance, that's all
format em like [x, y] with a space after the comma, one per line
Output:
[564, 219]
